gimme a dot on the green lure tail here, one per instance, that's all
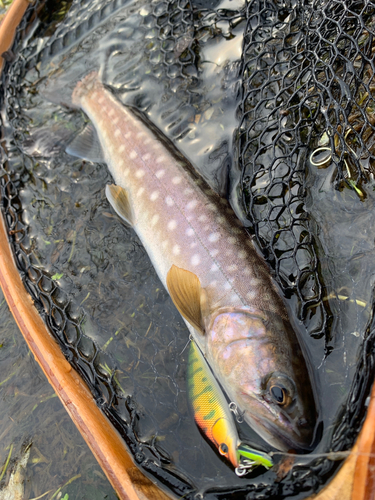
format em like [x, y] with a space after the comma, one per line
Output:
[248, 457]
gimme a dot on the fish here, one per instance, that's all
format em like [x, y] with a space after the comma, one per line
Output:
[208, 264]
[213, 417]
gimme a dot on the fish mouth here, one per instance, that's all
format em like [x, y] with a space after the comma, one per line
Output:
[276, 436]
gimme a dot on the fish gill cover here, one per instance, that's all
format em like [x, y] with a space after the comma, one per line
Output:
[273, 103]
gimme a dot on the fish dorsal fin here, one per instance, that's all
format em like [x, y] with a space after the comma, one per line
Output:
[86, 145]
[119, 200]
[185, 289]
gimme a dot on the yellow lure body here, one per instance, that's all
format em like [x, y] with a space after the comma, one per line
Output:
[211, 410]
[212, 415]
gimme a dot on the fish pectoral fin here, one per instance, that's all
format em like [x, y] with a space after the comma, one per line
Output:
[185, 290]
[119, 200]
[86, 145]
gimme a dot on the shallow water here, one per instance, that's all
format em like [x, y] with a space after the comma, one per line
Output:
[30, 412]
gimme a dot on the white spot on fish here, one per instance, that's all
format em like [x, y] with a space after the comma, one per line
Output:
[127, 135]
[246, 271]
[189, 231]
[147, 140]
[164, 244]
[220, 220]
[202, 218]
[214, 268]
[121, 149]
[214, 252]
[242, 254]
[227, 286]
[250, 295]
[115, 120]
[213, 237]
[140, 191]
[176, 250]
[207, 228]
[192, 204]
[229, 252]
[111, 112]
[169, 201]
[211, 207]
[121, 163]
[160, 159]
[188, 191]
[213, 283]
[146, 157]
[117, 132]
[232, 240]
[140, 134]
[139, 173]
[101, 99]
[193, 245]
[126, 172]
[195, 260]
[94, 96]
[232, 268]
[172, 224]
[154, 220]
[176, 180]
[133, 155]
[154, 196]
[159, 174]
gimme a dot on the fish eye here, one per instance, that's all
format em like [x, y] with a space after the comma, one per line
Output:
[279, 394]
[280, 389]
[223, 449]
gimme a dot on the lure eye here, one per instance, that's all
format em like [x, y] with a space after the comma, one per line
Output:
[223, 449]
[279, 394]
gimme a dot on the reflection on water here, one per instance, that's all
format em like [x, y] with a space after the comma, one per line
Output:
[31, 412]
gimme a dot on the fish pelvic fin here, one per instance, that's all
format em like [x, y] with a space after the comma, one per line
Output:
[119, 200]
[86, 145]
[186, 292]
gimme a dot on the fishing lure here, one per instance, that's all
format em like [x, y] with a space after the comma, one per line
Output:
[213, 416]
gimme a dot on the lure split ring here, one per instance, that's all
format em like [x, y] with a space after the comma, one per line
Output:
[238, 414]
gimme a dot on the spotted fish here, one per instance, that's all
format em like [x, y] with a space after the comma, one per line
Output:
[213, 417]
[208, 264]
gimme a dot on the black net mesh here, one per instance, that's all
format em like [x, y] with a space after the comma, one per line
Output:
[307, 76]
[300, 98]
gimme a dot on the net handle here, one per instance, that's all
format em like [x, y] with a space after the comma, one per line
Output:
[9, 24]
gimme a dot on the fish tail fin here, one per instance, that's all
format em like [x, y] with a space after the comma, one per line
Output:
[65, 88]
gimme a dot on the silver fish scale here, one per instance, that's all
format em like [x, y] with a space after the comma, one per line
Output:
[285, 79]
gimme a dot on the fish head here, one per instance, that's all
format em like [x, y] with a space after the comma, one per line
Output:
[262, 369]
